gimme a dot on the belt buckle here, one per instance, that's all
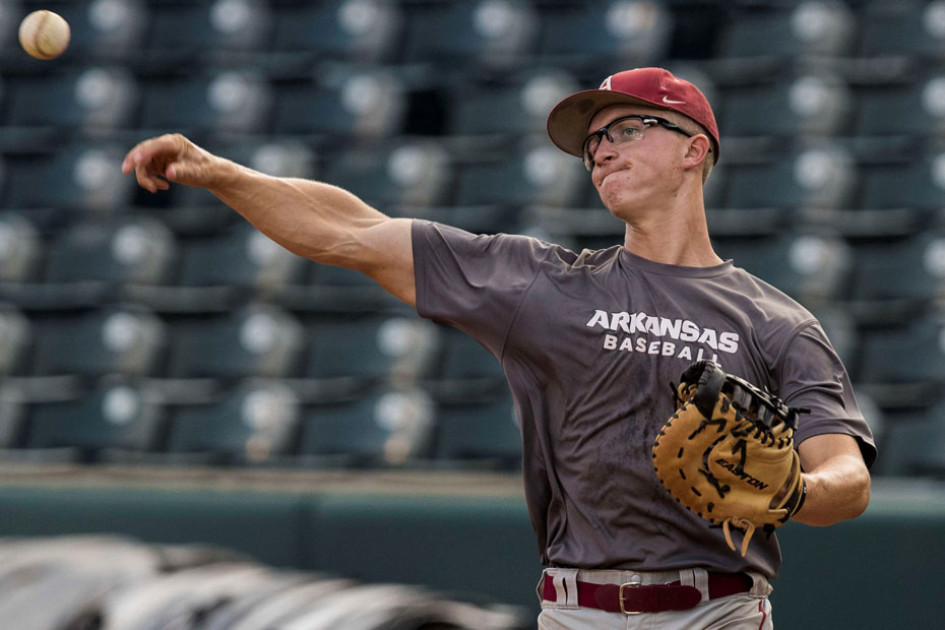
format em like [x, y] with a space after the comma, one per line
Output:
[635, 581]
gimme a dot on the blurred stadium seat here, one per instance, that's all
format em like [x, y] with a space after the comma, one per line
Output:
[917, 183]
[465, 34]
[10, 15]
[126, 339]
[604, 37]
[16, 338]
[223, 101]
[367, 31]
[510, 106]
[389, 427]
[22, 250]
[914, 442]
[179, 32]
[105, 31]
[909, 269]
[23, 178]
[464, 370]
[898, 190]
[330, 289]
[260, 340]
[89, 262]
[115, 415]
[238, 261]
[880, 106]
[350, 355]
[89, 100]
[789, 31]
[240, 26]
[821, 177]
[478, 434]
[344, 102]
[254, 423]
[899, 365]
[913, 184]
[75, 179]
[921, 339]
[812, 268]
[407, 172]
[275, 155]
[787, 108]
[524, 174]
[726, 223]
[130, 250]
[906, 27]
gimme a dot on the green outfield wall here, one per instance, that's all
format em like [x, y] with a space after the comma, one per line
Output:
[469, 534]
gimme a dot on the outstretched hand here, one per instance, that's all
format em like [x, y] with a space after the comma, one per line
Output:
[167, 159]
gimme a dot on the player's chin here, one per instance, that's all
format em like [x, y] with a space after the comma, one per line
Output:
[622, 203]
[614, 206]
[611, 190]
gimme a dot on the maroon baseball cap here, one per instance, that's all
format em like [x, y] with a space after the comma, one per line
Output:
[655, 87]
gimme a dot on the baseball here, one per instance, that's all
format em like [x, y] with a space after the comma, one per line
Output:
[44, 34]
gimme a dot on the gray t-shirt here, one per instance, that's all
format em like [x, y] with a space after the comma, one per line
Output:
[590, 344]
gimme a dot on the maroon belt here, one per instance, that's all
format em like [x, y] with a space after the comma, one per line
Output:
[649, 598]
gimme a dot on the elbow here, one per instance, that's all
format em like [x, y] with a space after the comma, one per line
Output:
[862, 498]
[857, 499]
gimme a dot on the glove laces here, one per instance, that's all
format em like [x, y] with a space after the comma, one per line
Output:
[740, 523]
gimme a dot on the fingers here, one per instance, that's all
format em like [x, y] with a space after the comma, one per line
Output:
[155, 162]
[150, 181]
[144, 153]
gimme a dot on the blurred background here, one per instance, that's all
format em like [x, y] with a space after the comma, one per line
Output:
[175, 386]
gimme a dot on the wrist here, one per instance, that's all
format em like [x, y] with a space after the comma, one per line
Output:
[796, 502]
[802, 497]
[225, 178]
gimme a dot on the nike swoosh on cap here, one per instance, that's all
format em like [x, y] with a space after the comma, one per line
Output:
[669, 101]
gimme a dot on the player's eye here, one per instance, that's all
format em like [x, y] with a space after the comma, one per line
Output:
[627, 130]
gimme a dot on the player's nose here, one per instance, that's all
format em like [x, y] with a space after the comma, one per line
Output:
[606, 151]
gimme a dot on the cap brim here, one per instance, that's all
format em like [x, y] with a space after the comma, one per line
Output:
[568, 122]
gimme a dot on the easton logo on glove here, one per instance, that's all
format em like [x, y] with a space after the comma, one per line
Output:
[727, 454]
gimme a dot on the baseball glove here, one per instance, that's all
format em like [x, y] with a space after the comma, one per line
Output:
[727, 454]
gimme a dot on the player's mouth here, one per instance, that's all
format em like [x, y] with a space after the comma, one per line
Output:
[618, 169]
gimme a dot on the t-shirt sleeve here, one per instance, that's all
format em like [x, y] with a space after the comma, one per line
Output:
[471, 281]
[813, 377]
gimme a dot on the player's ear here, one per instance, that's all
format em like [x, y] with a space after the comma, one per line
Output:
[697, 150]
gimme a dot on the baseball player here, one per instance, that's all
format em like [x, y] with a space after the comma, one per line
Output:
[590, 341]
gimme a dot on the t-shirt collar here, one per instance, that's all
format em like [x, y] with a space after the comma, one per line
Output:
[650, 266]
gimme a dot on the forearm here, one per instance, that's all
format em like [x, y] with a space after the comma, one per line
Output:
[837, 489]
[318, 221]
[309, 218]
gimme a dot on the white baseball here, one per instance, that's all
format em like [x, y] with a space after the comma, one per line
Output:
[44, 34]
